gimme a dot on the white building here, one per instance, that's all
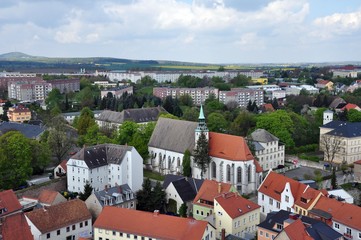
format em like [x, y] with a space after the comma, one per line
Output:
[269, 151]
[105, 165]
[69, 220]
[242, 96]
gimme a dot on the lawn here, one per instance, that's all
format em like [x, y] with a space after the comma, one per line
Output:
[153, 175]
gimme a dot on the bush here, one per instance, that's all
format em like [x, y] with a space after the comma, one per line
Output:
[310, 158]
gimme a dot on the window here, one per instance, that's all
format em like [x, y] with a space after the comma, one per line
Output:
[114, 233]
[81, 224]
[359, 235]
[86, 223]
[288, 209]
[128, 235]
[278, 205]
[135, 237]
[348, 231]
[337, 226]
[271, 201]
[67, 229]
[287, 198]
[73, 227]
[239, 174]
[262, 196]
[48, 235]
[266, 235]
[58, 232]
[121, 234]
[261, 233]
[214, 170]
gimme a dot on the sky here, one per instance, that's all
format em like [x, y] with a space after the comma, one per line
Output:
[203, 31]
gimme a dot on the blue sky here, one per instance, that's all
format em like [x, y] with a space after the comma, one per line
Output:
[208, 31]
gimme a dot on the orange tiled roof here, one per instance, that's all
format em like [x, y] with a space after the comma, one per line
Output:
[268, 107]
[63, 164]
[63, 214]
[349, 106]
[149, 224]
[324, 82]
[209, 190]
[310, 195]
[229, 147]
[274, 185]
[345, 213]
[258, 166]
[9, 201]
[16, 227]
[235, 205]
[297, 231]
[47, 196]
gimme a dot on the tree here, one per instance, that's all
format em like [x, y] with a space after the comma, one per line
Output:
[240, 81]
[40, 156]
[53, 99]
[353, 115]
[275, 103]
[183, 210]
[158, 197]
[186, 164]
[201, 156]
[243, 123]
[333, 179]
[60, 138]
[85, 121]
[126, 132]
[144, 196]
[217, 122]
[331, 146]
[15, 160]
[88, 189]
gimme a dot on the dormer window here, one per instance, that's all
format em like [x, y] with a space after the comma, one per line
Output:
[3, 210]
[304, 200]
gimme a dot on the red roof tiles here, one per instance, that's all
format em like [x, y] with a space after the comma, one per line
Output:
[349, 106]
[235, 205]
[297, 231]
[16, 227]
[9, 201]
[47, 196]
[211, 189]
[63, 164]
[153, 225]
[229, 147]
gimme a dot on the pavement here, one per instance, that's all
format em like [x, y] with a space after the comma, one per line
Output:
[39, 179]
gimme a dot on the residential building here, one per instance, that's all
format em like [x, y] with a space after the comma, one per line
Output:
[286, 225]
[278, 192]
[267, 107]
[198, 95]
[343, 217]
[70, 116]
[236, 215]
[9, 204]
[231, 160]
[203, 203]
[28, 130]
[119, 196]
[269, 152]
[29, 90]
[15, 227]
[349, 106]
[66, 85]
[75, 221]
[50, 198]
[112, 119]
[341, 141]
[5, 80]
[19, 114]
[269, 87]
[117, 92]
[181, 190]
[344, 73]
[337, 103]
[324, 84]
[242, 96]
[105, 165]
[341, 195]
[121, 223]
[357, 171]
[105, 84]
[60, 170]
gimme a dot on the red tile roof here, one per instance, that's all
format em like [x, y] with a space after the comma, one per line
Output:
[210, 189]
[63, 164]
[349, 106]
[229, 147]
[150, 224]
[345, 213]
[9, 201]
[16, 227]
[357, 162]
[61, 215]
[297, 231]
[235, 205]
[47, 196]
[324, 82]
[258, 166]
[310, 195]
[268, 107]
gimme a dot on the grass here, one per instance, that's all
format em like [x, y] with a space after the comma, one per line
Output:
[153, 175]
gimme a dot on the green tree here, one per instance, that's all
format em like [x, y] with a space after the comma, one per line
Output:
[85, 97]
[85, 121]
[191, 114]
[217, 122]
[183, 210]
[53, 99]
[353, 115]
[201, 154]
[126, 132]
[88, 189]
[240, 81]
[15, 160]
[186, 100]
[186, 164]
[158, 197]
[243, 123]
[333, 179]
[144, 197]
[40, 156]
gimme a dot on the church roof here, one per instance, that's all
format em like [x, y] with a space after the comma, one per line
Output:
[138, 115]
[173, 135]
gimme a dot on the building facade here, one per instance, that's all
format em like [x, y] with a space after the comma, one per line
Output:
[19, 114]
[242, 96]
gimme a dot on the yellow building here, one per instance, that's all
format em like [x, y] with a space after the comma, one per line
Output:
[236, 215]
[261, 81]
[19, 114]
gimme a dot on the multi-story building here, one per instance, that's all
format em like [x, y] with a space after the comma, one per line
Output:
[66, 85]
[269, 151]
[68, 220]
[19, 114]
[105, 165]
[4, 81]
[242, 96]
[236, 215]
[117, 92]
[278, 192]
[122, 223]
[9, 204]
[357, 171]
[29, 91]
[199, 95]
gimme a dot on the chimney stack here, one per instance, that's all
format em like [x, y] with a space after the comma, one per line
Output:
[219, 187]
[156, 213]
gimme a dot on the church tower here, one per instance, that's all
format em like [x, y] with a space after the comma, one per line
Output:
[201, 127]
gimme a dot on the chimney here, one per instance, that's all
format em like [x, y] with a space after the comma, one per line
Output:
[223, 234]
[156, 213]
[219, 187]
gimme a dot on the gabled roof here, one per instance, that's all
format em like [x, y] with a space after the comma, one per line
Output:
[138, 115]
[173, 135]
[345, 213]
[47, 196]
[268, 107]
[194, 183]
[63, 164]
[9, 201]
[322, 81]
[187, 188]
[297, 231]
[261, 135]
[152, 225]
[347, 129]
[16, 227]
[336, 102]
[113, 192]
[102, 154]
[310, 195]
[28, 130]
[48, 219]
[235, 205]
[210, 190]
[229, 147]
[349, 106]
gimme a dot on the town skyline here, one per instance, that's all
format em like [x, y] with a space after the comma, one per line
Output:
[203, 31]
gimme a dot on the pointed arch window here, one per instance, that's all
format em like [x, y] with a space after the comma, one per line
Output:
[214, 170]
[228, 173]
[239, 174]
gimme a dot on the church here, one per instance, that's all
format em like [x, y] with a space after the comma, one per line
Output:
[231, 159]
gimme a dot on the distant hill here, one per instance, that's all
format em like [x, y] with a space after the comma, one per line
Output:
[15, 55]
